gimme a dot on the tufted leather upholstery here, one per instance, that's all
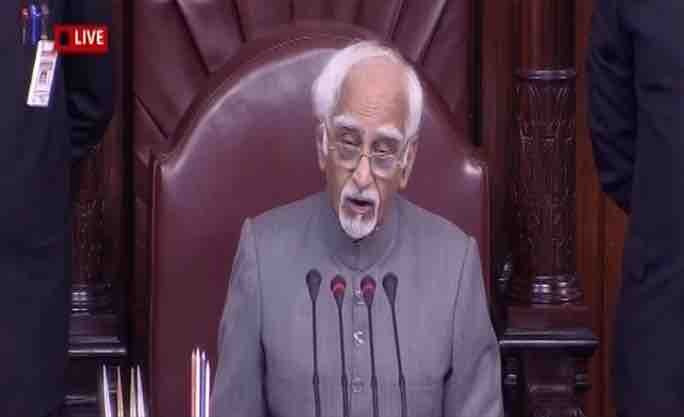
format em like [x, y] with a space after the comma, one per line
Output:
[179, 44]
[246, 144]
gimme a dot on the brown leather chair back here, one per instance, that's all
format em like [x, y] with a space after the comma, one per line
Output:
[178, 44]
[246, 145]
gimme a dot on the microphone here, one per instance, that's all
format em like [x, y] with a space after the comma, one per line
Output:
[338, 286]
[368, 290]
[389, 283]
[313, 281]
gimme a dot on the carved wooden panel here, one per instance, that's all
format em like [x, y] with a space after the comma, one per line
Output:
[545, 371]
[90, 293]
[543, 189]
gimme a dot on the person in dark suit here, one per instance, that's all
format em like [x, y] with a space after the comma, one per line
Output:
[636, 97]
[37, 146]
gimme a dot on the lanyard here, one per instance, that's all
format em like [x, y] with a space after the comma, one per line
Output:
[35, 19]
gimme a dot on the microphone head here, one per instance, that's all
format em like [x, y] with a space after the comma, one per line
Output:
[338, 286]
[368, 289]
[313, 281]
[389, 283]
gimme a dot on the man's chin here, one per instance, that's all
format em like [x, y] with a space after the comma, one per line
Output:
[357, 229]
[353, 215]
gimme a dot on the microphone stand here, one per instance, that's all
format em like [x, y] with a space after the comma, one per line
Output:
[389, 283]
[313, 282]
[368, 290]
[338, 286]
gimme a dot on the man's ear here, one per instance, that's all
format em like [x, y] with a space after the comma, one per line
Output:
[322, 146]
[407, 163]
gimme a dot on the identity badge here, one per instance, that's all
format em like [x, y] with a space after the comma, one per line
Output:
[43, 74]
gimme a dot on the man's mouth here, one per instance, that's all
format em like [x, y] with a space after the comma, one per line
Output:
[360, 205]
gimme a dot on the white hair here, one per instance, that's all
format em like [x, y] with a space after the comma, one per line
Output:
[326, 88]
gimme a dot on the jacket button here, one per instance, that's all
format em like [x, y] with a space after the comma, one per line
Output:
[358, 337]
[358, 298]
[357, 385]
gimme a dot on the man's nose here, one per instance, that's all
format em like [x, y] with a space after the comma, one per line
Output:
[362, 175]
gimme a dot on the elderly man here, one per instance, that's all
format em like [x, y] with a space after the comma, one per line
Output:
[369, 104]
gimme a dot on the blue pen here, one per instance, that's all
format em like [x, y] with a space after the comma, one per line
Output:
[35, 23]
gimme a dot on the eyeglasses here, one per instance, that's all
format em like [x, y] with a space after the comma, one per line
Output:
[382, 163]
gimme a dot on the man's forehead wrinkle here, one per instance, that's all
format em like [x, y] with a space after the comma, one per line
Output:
[372, 96]
[369, 106]
[386, 131]
[384, 106]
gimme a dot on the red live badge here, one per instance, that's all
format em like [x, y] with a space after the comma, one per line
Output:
[81, 39]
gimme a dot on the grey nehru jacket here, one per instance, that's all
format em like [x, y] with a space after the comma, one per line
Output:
[449, 351]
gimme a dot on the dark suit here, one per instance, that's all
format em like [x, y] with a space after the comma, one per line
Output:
[36, 147]
[636, 90]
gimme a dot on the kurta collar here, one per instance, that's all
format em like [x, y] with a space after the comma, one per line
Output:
[361, 254]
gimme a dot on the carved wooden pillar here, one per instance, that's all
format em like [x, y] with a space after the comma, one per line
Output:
[544, 163]
[89, 294]
[95, 335]
[546, 341]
